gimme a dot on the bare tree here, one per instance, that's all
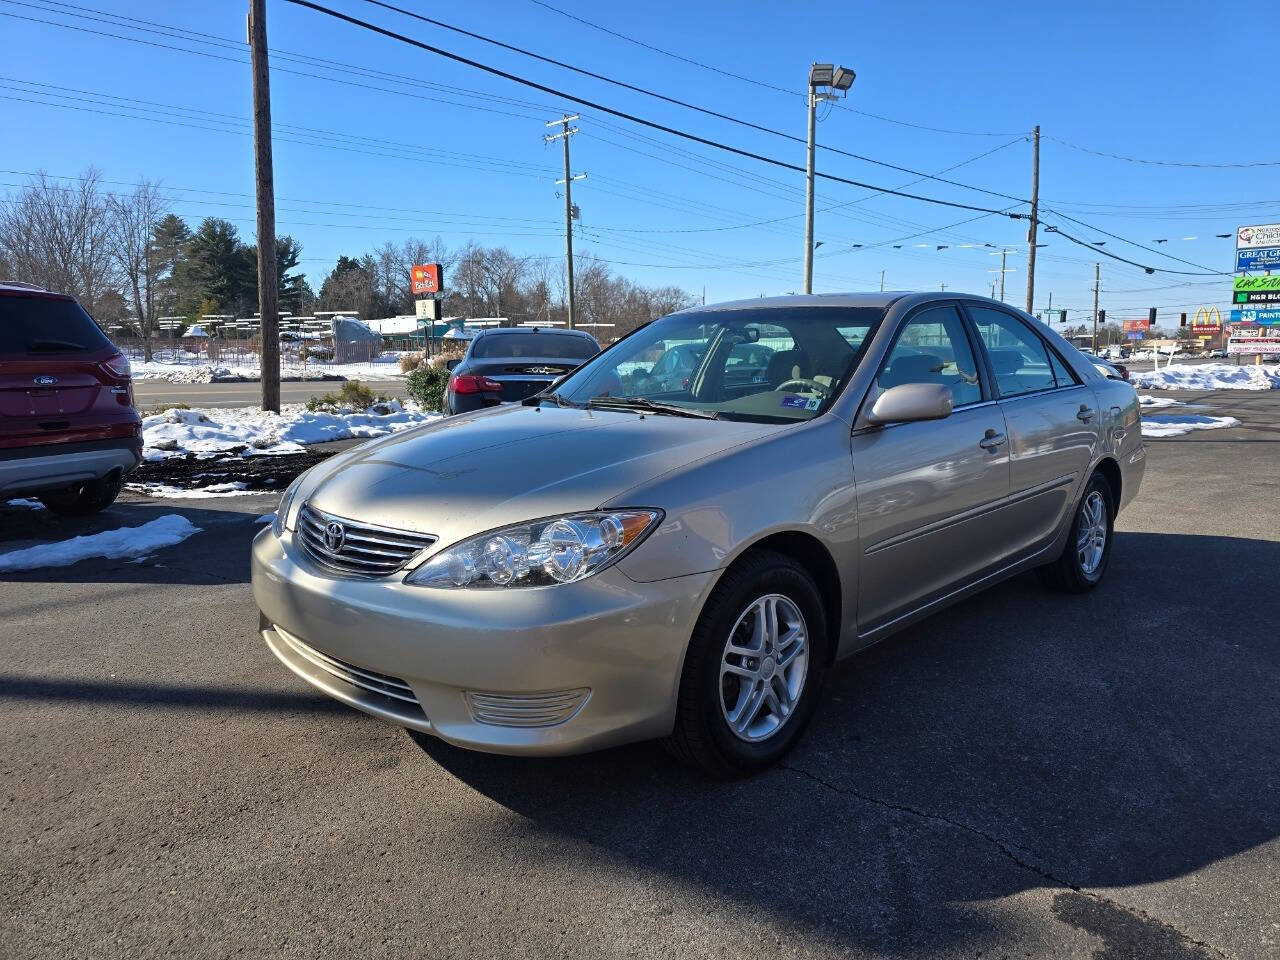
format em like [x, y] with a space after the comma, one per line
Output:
[59, 236]
[132, 243]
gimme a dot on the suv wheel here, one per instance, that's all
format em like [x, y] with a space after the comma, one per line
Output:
[1088, 549]
[754, 668]
[87, 498]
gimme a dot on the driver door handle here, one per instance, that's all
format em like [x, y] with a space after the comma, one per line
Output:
[992, 440]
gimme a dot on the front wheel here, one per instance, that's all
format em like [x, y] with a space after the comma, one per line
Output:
[754, 668]
[86, 498]
[1088, 549]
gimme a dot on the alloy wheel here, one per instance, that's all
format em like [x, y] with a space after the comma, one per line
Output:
[1091, 541]
[763, 667]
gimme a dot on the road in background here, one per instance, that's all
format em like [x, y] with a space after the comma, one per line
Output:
[1025, 774]
[156, 393]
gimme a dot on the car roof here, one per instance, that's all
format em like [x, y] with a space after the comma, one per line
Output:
[880, 300]
[499, 331]
[16, 288]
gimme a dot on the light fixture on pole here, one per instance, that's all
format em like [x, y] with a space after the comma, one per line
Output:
[826, 82]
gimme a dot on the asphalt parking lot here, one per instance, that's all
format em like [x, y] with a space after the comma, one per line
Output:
[1025, 774]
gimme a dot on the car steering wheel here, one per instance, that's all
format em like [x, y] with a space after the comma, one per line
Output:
[806, 384]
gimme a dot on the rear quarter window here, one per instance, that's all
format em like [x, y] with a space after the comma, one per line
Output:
[45, 325]
[534, 345]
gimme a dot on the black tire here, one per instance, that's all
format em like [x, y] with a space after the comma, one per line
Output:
[87, 498]
[1068, 574]
[702, 736]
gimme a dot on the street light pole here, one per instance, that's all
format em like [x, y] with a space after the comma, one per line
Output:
[808, 190]
[826, 82]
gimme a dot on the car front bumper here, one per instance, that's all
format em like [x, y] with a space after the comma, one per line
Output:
[534, 670]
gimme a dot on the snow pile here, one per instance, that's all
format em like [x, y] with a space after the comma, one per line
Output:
[126, 543]
[244, 429]
[233, 489]
[1176, 426]
[26, 502]
[384, 366]
[1210, 376]
[1155, 403]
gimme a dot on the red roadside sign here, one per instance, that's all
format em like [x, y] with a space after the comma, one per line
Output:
[425, 278]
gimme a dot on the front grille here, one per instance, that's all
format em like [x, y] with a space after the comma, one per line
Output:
[362, 550]
[526, 709]
[391, 687]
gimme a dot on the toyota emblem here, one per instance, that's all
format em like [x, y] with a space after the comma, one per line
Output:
[334, 536]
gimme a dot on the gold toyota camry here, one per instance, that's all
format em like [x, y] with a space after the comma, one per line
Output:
[682, 550]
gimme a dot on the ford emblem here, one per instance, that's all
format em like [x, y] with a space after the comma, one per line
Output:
[44, 380]
[335, 535]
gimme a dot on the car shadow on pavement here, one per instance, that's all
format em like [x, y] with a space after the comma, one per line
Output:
[1021, 739]
[191, 697]
[218, 554]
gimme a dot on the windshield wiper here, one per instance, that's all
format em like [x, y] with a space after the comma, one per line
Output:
[52, 345]
[645, 405]
[537, 398]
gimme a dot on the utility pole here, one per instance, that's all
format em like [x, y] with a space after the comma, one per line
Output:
[267, 280]
[882, 281]
[1035, 214]
[1004, 253]
[826, 82]
[565, 133]
[1096, 281]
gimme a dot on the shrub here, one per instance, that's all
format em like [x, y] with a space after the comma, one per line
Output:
[410, 361]
[353, 395]
[426, 386]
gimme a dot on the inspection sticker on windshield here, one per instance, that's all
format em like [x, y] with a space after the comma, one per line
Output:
[800, 403]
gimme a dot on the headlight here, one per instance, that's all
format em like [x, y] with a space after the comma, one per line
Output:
[556, 550]
[286, 502]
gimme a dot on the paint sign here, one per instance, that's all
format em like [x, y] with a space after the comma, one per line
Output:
[1263, 318]
[1261, 235]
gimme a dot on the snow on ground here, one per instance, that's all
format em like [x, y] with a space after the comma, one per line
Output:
[193, 369]
[1155, 403]
[1210, 376]
[126, 543]
[234, 489]
[26, 502]
[222, 430]
[1176, 426]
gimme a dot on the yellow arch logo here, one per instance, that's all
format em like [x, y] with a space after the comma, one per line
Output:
[1208, 317]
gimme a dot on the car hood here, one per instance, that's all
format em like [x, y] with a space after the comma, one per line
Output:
[466, 474]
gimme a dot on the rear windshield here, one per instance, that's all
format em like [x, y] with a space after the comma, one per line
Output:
[534, 345]
[46, 325]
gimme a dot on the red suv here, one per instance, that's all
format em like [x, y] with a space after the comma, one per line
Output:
[68, 429]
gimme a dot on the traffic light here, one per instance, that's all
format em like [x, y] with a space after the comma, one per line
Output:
[1102, 316]
[1184, 320]
[1062, 317]
[1151, 316]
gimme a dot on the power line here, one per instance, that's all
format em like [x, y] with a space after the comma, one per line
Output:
[677, 102]
[515, 78]
[666, 53]
[1165, 163]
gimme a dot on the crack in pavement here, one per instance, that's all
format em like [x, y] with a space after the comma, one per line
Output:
[1010, 852]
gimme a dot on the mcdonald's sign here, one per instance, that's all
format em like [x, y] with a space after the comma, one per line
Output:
[1207, 320]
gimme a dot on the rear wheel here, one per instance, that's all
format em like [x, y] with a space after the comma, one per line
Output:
[754, 668]
[85, 498]
[1088, 549]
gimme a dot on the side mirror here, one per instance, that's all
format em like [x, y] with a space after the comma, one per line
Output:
[911, 402]
[451, 363]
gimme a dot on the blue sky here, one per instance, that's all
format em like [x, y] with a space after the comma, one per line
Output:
[435, 147]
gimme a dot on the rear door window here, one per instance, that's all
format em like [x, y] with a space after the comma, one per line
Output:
[45, 325]
[1019, 357]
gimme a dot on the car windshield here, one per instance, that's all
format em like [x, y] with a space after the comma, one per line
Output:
[46, 325]
[542, 345]
[766, 365]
